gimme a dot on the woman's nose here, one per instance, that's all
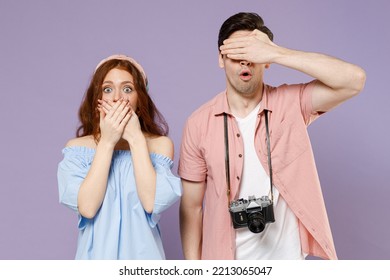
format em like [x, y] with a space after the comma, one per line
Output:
[117, 95]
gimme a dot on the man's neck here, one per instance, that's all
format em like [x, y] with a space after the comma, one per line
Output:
[241, 105]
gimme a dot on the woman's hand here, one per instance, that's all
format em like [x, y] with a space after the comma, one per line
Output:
[132, 130]
[113, 118]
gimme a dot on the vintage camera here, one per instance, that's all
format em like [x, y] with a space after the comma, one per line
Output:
[253, 213]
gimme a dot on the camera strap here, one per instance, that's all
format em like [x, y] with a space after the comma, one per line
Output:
[227, 163]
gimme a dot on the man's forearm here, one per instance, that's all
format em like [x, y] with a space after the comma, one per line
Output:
[335, 73]
[191, 233]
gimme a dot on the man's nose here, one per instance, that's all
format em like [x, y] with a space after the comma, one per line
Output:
[245, 63]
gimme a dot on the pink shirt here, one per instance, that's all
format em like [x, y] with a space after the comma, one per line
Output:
[202, 158]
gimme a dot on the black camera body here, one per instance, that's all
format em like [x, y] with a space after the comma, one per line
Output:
[253, 213]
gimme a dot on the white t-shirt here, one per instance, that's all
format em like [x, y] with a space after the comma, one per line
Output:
[279, 240]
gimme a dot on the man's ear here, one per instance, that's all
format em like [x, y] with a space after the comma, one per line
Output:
[221, 63]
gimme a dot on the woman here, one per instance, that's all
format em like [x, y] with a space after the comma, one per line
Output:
[117, 173]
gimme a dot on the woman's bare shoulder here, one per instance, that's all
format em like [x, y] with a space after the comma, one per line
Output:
[85, 141]
[162, 145]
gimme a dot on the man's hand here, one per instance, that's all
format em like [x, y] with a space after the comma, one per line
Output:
[255, 47]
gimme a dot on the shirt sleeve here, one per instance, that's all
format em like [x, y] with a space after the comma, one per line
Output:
[192, 165]
[72, 170]
[306, 91]
[168, 188]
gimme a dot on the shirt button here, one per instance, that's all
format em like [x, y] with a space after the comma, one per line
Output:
[240, 155]
[238, 135]
[238, 177]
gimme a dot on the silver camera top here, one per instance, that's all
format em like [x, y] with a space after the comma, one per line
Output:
[252, 202]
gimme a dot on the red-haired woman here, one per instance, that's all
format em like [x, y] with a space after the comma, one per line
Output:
[117, 173]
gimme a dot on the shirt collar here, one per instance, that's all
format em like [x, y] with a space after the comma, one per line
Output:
[222, 106]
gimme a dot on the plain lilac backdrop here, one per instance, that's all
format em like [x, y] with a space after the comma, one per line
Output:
[49, 49]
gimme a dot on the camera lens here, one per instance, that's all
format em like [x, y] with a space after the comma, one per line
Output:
[256, 222]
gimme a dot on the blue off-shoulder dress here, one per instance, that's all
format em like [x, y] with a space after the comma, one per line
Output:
[121, 229]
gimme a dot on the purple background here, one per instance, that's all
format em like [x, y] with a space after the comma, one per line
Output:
[49, 50]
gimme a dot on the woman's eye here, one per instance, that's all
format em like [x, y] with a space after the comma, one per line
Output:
[107, 90]
[127, 89]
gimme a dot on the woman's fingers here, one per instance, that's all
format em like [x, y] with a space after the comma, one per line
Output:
[114, 110]
[126, 119]
[110, 107]
[121, 113]
[101, 112]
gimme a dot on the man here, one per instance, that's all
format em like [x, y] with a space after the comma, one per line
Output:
[301, 225]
